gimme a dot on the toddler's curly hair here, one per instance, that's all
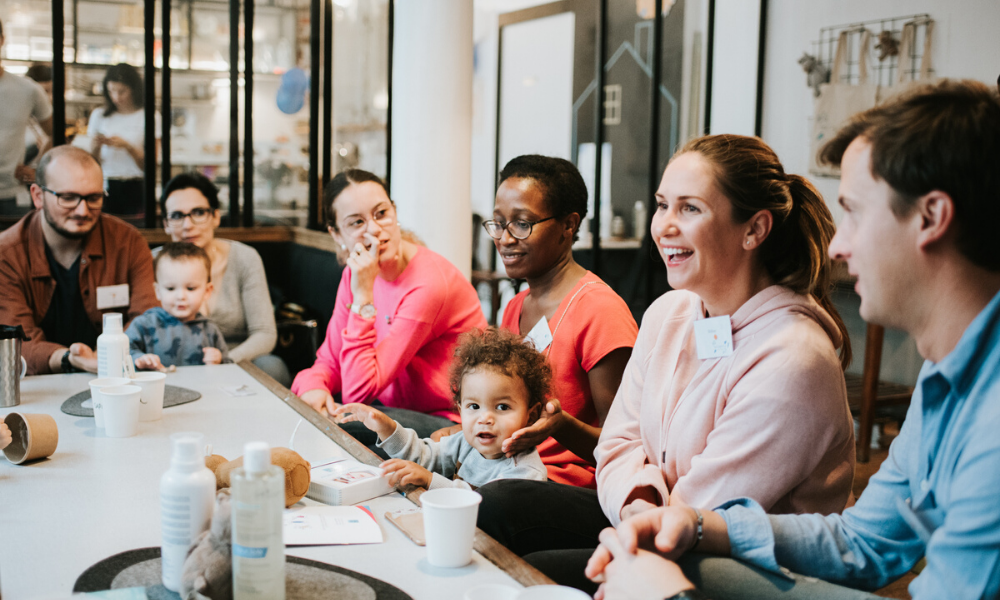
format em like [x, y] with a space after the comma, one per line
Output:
[505, 352]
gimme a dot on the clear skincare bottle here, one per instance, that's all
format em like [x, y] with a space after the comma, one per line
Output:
[187, 499]
[258, 489]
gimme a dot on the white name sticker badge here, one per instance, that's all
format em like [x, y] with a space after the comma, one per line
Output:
[540, 337]
[112, 296]
[714, 337]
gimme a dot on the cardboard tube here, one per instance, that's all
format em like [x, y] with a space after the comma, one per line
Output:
[34, 437]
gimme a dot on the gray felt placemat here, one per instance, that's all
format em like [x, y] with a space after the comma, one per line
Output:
[304, 579]
[172, 396]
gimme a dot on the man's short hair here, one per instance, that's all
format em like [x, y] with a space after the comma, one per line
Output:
[180, 251]
[945, 137]
[79, 155]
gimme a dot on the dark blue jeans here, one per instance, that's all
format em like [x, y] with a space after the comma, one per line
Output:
[422, 423]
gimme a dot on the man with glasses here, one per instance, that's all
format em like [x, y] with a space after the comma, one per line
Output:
[22, 100]
[65, 264]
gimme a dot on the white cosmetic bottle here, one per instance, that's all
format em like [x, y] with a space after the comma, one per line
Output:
[187, 499]
[112, 348]
[258, 489]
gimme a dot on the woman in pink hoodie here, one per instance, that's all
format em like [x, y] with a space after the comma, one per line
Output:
[734, 387]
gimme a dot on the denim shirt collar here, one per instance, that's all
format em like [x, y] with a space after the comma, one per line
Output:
[960, 367]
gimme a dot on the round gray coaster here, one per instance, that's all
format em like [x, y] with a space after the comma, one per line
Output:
[79, 405]
[304, 579]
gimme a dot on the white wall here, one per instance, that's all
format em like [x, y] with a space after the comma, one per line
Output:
[432, 124]
[965, 45]
[537, 88]
[734, 66]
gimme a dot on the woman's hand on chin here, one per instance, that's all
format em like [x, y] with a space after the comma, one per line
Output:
[364, 266]
[528, 437]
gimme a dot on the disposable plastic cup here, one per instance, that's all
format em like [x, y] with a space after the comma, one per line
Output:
[121, 410]
[97, 399]
[151, 398]
[491, 591]
[450, 525]
[551, 592]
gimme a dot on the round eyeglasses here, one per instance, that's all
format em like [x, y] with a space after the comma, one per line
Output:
[519, 228]
[71, 200]
[198, 216]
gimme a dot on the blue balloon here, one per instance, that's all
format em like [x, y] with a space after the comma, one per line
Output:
[292, 91]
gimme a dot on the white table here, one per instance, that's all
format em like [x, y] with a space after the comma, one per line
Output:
[98, 496]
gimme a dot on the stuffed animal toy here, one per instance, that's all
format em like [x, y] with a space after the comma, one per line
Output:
[296, 472]
[208, 568]
[816, 72]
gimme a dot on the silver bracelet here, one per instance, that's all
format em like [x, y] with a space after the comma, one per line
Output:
[701, 529]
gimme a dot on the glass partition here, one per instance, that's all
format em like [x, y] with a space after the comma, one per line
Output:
[100, 34]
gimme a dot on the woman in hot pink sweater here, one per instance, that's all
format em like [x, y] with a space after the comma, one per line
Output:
[400, 309]
[699, 419]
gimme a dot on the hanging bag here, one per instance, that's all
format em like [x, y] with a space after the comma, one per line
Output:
[837, 101]
[905, 81]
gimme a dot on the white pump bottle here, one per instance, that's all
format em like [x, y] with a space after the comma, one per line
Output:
[187, 499]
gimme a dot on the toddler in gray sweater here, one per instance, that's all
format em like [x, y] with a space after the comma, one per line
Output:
[176, 333]
[500, 384]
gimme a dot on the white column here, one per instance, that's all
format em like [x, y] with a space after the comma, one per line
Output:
[432, 124]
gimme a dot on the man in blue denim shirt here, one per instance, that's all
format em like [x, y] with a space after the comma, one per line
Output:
[920, 190]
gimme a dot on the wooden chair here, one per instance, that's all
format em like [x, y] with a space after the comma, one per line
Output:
[492, 279]
[866, 393]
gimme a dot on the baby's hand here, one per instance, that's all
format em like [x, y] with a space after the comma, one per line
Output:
[371, 418]
[404, 472]
[5, 437]
[213, 356]
[149, 362]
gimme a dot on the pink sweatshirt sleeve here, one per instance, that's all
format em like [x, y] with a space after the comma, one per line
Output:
[374, 366]
[622, 464]
[325, 372]
[785, 422]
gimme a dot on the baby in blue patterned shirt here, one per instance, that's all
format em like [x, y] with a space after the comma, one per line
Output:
[176, 333]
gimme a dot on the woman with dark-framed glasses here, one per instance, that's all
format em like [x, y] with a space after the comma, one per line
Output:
[583, 327]
[241, 303]
[400, 309]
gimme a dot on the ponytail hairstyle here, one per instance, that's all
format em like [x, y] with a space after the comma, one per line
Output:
[794, 253]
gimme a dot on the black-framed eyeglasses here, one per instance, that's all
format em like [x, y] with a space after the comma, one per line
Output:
[72, 200]
[519, 228]
[198, 216]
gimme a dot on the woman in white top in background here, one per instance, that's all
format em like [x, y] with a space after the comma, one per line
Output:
[118, 141]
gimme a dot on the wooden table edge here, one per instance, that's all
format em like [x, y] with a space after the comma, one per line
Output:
[492, 550]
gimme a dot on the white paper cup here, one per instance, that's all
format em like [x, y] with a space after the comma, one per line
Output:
[491, 591]
[151, 400]
[121, 410]
[551, 592]
[450, 525]
[97, 399]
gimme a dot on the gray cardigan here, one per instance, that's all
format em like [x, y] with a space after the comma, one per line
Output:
[241, 304]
